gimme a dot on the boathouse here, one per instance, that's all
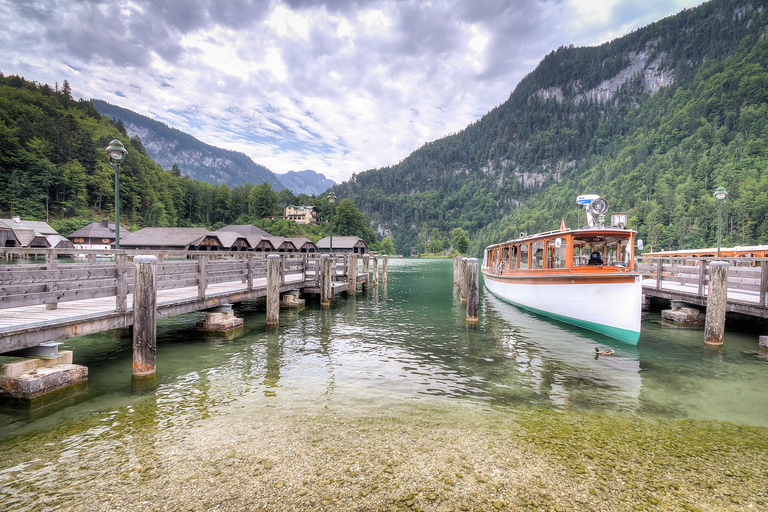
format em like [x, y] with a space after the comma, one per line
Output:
[282, 244]
[172, 239]
[231, 241]
[97, 235]
[343, 245]
[29, 233]
[304, 245]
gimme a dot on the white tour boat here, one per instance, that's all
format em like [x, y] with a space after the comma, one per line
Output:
[585, 277]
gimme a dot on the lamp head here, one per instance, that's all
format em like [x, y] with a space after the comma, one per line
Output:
[116, 150]
[720, 194]
[331, 198]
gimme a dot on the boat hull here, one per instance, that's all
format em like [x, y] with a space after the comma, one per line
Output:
[608, 304]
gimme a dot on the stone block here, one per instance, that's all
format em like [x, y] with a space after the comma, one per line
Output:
[681, 317]
[16, 368]
[42, 380]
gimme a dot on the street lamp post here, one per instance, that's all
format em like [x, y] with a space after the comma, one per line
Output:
[720, 195]
[331, 200]
[116, 151]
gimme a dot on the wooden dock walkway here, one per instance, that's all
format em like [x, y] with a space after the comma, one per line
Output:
[55, 301]
[687, 279]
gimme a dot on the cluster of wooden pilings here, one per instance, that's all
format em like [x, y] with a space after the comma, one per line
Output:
[467, 281]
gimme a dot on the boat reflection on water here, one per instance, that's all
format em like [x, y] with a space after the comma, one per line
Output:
[557, 362]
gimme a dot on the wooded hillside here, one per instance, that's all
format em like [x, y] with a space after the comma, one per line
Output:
[653, 122]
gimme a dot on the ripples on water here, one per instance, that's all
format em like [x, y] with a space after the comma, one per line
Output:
[403, 345]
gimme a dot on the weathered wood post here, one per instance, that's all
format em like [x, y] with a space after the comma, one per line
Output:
[473, 291]
[366, 263]
[659, 272]
[714, 326]
[51, 265]
[326, 285]
[274, 262]
[763, 283]
[456, 271]
[384, 266]
[249, 271]
[463, 280]
[352, 274]
[144, 310]
[375, 270]
[121, 282]
[202, 260]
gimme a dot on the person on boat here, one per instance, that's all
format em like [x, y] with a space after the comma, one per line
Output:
[595, 259]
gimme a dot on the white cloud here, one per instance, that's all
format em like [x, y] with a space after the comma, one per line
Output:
[335, 86]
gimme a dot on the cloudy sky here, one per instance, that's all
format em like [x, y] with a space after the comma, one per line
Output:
[337, 86]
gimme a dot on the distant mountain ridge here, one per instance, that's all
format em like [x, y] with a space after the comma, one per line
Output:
[200, 161]
[306, 182]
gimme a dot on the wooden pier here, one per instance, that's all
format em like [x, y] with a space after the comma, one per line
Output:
[687, 280]
[51, 301]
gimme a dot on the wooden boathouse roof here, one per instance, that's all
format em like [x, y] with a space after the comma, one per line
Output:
[172, 239]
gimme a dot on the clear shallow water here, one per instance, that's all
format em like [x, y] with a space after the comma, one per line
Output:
[399, 351]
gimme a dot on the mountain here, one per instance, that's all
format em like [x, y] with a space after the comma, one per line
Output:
[306, 182]
[654, 121]
[200, 161]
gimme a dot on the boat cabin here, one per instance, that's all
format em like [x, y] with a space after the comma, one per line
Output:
[585, 249]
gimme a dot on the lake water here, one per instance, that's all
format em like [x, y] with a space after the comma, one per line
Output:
[389, 399]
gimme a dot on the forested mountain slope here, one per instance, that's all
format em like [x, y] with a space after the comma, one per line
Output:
[653, 121]
[200, 161]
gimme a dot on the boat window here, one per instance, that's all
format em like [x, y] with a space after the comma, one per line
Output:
[537, 254]
[513, 257]
[555, 255]
[523, 255]
[505, 258]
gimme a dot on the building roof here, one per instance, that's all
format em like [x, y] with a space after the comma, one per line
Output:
[300, 242]
[278, 241]
[59, 242]
[340, 242]
[245, 229]
[40, 227]
[166, 237]
[228, 238]
[101, 229]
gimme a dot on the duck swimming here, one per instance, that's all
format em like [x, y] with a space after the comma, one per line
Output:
[606, 352]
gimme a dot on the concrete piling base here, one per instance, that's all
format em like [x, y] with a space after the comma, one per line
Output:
[220, 319]
[30, 379]
[291, 301]
[682, 314]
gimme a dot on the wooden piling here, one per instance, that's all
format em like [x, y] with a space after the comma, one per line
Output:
[121, 282]
[463, 280]
[326, 285]
[51, 263]
[366, 263]
[375, 271]
[456, 275]
[273, 289]
[351, 274]
[144, 321]
[384, 266]
[473, 291]
[202, 260]
[714, 325]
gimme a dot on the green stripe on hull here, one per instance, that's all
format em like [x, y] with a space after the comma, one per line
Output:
[624, 335]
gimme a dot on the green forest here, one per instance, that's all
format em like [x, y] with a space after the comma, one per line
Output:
[53, 167]
[692, 117]
[657, 155]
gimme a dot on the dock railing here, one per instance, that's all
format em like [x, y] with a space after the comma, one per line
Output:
[747, 277]
[52, 276]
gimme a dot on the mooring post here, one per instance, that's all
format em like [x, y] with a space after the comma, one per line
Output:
[375, 270]
[51, 265]
[249, 270]
[473, 292]
[456, 274]
[366, 263]
[274, 262]
[384, 266]
[326, 285]
[144, 324]
[201, 261]
[121, 282]
[714, 326]
[463, 280]
[352, 274]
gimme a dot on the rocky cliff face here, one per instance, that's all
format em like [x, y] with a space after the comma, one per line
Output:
[198, 160]
[306, 182]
